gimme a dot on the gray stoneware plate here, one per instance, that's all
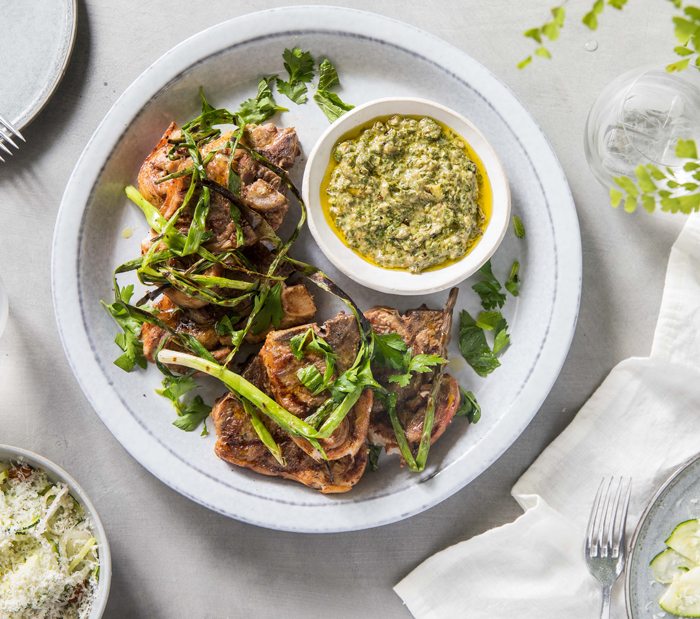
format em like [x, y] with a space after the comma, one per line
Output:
[37, 40]
[377, 57]
[677, 500]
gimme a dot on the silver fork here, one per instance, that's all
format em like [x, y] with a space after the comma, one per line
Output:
[605, 548]
[7, 132]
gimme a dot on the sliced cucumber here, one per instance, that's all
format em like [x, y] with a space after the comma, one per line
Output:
[682, 597]
[667, 564]
[685, 539]
[23, 527]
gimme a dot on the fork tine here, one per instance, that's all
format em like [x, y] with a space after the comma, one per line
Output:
[615, 505]
[5, 135]
[620, 539]
[12, 129]
[604, 519]
[3, 147]
[592, 518]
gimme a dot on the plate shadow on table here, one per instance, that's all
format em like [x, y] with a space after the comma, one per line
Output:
[301, 564]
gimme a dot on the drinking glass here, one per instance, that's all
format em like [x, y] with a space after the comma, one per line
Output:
[638, 118]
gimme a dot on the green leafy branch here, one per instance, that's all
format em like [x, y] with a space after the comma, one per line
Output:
[686, 29]
[654, 186]
[548, 30]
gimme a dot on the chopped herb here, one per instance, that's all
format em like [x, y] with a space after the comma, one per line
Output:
[300, 67]
[128, 340]
[354, 380]
[224, 327]
[474, 347]
[468, 406]
[389, 350]
[268, 310]
[518, 227]
[374, 452]
[196, 412]
[329, 102]
[297, 343]
[489, 320]
[311, 378]
[502, 339]
[512, 284]
[261, 107]
[420, 364]
[190, 412]
[309, 340]
[175, 387]
[327, 75]
[489, 289]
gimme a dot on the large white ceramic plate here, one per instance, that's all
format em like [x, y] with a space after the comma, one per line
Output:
[676, 501]
[377, 57]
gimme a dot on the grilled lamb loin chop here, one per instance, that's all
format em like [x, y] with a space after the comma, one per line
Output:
[259, 185]
[297, 304]
[281, 146]
[425, 331]
[238, 443]
[264, 207]
[281, 367]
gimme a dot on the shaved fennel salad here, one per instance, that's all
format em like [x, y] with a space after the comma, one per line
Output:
[49, 562]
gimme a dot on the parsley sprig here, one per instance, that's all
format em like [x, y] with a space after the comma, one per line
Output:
[129, 338]
[300, 68]
[489, 288]
[390, 350]
[473, 341]
[262, 106]
[191, 411]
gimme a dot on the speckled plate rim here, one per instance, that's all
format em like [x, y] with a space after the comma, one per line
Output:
[38, 103]
[17, 453]
[661, 493]
[336, 517]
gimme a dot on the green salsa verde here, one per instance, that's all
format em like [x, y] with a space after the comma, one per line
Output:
[406, 193]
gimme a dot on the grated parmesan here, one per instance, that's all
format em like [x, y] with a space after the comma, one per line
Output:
[48, 554]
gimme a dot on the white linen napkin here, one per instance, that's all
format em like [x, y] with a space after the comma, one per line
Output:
[642, 422]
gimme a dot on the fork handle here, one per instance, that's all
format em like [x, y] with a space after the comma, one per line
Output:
[605, 607]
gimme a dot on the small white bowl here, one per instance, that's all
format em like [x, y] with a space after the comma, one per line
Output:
[395, 281]
[56, 473]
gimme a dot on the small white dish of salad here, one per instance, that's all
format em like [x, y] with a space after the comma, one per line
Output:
[54, 557]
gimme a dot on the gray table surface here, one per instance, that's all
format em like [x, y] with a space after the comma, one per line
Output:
[173, 558]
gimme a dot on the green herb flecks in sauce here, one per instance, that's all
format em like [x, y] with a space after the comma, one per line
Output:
[406, 193]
